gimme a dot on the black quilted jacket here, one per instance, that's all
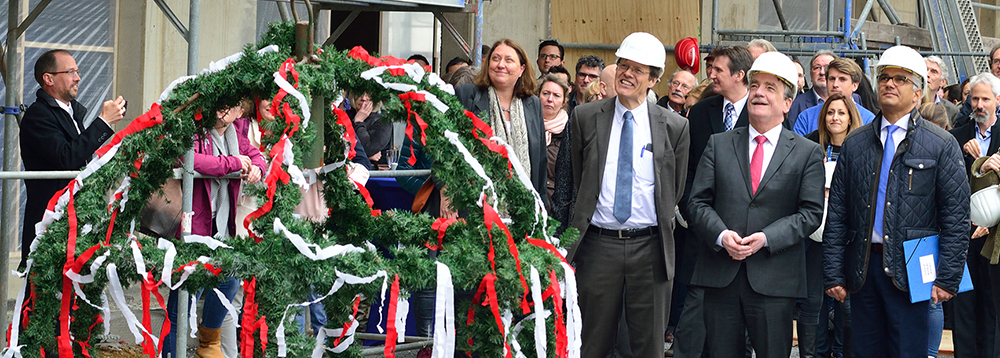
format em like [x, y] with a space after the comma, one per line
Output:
[927, 194]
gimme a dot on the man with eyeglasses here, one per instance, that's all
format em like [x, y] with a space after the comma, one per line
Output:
[899, 178]
[54, 135]
[818, 93]
[588, 69]
[681, 83]
[550, 54]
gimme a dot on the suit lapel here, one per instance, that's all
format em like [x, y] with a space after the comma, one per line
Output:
[715, 115]
[658, 134]
[994, 142]
[741, 142]
[781, 151]
[602, 123]
[744, 119]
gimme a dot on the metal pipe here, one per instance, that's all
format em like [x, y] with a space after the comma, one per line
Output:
[861, 18]
[399, 348]
[780, 32]
[715, 21]
[187, 182]
[479, 34]
[986, 6]
[829, 15]
[11, 153]
[381, 337]
[848, 11]
[399, 173]
[889, 12]
[283, 11]
[781, 15]
[172, 18]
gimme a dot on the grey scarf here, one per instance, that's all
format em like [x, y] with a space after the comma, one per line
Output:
[517, 133]
[226, 144]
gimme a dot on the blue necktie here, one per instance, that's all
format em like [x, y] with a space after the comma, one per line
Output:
[728, 121]
[623, 182]
[883, 178]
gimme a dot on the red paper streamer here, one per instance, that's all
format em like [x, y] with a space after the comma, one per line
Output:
[406, 97]
[545, 245]
[347, 325]
[368, 198]
[344, 120]
[487, 286]
[64, 340]
[249, 324]
[553, 290]
[276, 174]
[390, 334]
[491, 217]
[440, 225]
[488, 133]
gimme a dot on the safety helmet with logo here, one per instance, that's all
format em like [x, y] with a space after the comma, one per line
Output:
[906, 59]
[686, 54]
[643, 48]
[779, 65]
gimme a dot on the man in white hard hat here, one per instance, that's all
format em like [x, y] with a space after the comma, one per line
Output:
[756, 197]
[629, 161]
[898, 178]
[973, 311]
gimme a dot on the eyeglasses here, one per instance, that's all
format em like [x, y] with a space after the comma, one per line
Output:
[624, 67]
[898, 80]
[69, 72]
[588, 75]
[676, 83]
[548, 57]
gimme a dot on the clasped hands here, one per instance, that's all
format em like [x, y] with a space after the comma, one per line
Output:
[739, 248]
[248, 171]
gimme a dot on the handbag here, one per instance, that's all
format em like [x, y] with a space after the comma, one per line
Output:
[162, 214]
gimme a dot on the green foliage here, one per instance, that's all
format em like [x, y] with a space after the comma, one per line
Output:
[283, 275]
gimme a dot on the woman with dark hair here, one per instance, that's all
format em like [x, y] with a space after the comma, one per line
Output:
[838, 118]
[503, 92]
[554, 93]
[373, 134]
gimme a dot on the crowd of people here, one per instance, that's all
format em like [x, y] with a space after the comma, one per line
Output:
[711, 216]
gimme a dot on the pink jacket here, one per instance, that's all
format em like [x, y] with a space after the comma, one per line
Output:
[208, 164]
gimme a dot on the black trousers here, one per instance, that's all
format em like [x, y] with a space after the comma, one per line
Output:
[736, 310]
[973, 311]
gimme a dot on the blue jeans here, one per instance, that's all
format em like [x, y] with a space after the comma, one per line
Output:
[211, 317]
[935, 325]
[317, 316]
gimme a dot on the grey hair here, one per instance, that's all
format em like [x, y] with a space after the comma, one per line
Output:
[987, 78]
[940, 63]
[821, 53]
[762, 43]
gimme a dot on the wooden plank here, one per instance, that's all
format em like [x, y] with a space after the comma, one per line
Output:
[596, 21]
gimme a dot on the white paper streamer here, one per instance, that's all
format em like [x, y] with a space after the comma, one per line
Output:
[123, 189]
[211, 242]
[506, 317]
[434, 101]
[168, 264]
[13, 348]
[574, 322]
[192, 316]
[303, 105]
[540, 313]
[444, 314]
[342, 278]
[293, 170]
[306, 249]
[436, 80]
[402, 310]
[324, 333]
[118, 295]
[476, 166]
[170, 88]
[233, 312]
[541, 215]
[106, 310]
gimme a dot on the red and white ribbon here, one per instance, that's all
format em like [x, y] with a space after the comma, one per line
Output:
[118, 295]
[312, 251]
[342, 278]
[210, 242]
[541, 215]
[221, 64]
[341, 346]
[540, 313]
[574, 321]
[476, 166]
[13, 349]
[303, 104]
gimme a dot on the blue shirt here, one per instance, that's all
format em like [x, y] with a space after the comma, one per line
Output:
[984, 140]
[808, 120]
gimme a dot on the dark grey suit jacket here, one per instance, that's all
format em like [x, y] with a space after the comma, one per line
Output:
[591, 126]
[477, 100]
[787, 207]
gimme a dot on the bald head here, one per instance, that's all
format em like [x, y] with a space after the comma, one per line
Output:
[608, 81]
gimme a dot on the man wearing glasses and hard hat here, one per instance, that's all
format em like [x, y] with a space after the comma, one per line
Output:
[898, 178]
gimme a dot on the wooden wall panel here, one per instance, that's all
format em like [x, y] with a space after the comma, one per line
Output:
[608, 22]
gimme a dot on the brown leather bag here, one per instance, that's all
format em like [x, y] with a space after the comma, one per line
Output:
[423, 194]
[162, 214]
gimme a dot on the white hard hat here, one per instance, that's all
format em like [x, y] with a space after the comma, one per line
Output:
[643, 48]
[779, 65]
[985, 205]
[905, 58]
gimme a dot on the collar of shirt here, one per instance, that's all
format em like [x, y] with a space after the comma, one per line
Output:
[738, 105]
[897, 136]
[937, 99]
[819, 100]
[641, 111]
[772, 136]
[984, 140]
[69, 109]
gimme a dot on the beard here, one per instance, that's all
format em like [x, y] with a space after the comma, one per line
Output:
[979, 117]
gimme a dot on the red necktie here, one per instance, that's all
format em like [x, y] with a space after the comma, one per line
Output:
[757, 162]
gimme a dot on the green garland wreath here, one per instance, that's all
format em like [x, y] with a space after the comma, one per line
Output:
[283, 276]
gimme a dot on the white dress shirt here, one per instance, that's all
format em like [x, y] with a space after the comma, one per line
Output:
[643, 204]
[897, 137]
[772, 136]
[69, 109]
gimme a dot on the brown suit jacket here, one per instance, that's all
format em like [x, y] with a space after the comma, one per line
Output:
[591, 126]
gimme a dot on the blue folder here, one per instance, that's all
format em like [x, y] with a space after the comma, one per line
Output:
[921, 268]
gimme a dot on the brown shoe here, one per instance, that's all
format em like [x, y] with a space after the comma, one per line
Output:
[209, 345]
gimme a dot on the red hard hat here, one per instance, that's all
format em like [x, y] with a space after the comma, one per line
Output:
[686, 54]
